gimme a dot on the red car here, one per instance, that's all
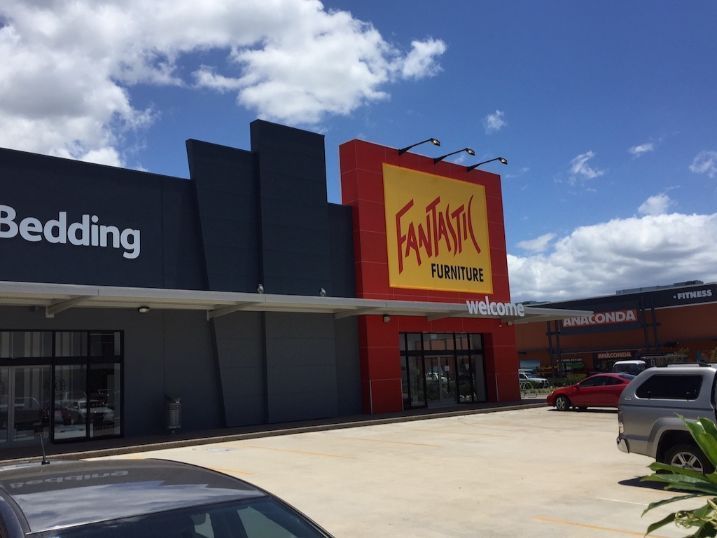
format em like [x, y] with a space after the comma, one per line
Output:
[601, 390]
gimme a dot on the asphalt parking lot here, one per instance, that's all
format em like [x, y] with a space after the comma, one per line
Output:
[530, 472]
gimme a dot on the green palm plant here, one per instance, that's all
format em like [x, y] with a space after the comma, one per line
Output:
[704, 518]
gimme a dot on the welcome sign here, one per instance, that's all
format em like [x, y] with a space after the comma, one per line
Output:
[436, 231]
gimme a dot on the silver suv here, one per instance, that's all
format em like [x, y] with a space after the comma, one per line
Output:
[650, 411]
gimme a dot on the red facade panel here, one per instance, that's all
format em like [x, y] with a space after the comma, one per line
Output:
[363, 188]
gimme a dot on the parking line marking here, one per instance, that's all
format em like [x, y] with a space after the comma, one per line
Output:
[306, 452]
[385, 441]
[440, 431]
[620, 501]
[568, 523]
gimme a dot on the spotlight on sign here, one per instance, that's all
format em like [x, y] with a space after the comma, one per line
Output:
[469, 151]
[501, 160]
[433, 141]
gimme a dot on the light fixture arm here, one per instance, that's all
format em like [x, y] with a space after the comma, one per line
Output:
[469, 151]
[432, 140]
[502, 160]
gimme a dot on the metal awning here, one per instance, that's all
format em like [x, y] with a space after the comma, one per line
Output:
[56, 298]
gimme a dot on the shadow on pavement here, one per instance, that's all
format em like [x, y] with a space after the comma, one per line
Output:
[638, 483]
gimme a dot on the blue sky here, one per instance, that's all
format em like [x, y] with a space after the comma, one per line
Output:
[606, 110]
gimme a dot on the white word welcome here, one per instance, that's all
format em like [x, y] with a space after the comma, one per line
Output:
[487, 307]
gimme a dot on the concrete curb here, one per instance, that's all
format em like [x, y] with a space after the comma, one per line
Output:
[180, 443]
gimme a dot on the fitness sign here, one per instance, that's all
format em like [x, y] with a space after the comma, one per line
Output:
[436, 232]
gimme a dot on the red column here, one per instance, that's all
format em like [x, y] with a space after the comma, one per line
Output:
[380, 366]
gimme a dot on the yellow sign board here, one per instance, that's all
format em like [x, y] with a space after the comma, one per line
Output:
[436, 232]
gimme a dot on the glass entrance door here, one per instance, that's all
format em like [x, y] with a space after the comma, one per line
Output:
[440, 374]
[24, 402]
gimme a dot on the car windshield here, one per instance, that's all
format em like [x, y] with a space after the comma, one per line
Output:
[251, 518]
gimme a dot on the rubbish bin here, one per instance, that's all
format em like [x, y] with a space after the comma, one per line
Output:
[174, 413]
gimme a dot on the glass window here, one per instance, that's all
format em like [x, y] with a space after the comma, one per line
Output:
[596, 381]
[479, 378]
[414, 341]
[613, 381]
[25, 344]
[104, 399]
[404, 382]
[416, 380]
[670, 387]
[253, 518]
[71, 344]
[462, 341]
[438, 342]
[70, 401]
[476, 341]
[105, 344]
[466, 394]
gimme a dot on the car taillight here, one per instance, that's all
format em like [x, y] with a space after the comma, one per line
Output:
[620, 427]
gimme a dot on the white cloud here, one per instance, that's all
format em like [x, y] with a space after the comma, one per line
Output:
[494, 122]
[619, 254]
[421, 61]
[641, 149]
[705, 162]
[580, 169]
[68, 67]
[539, 244]
[657, 204]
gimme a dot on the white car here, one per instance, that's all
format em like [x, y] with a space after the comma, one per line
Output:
[533, 380]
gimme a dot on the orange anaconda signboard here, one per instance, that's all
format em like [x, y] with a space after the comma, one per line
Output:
[436, 231]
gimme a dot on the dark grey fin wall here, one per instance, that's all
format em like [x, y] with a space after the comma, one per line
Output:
[343, 278]
[300, 366]
[295, 249]
[227, 193]
[241, 360]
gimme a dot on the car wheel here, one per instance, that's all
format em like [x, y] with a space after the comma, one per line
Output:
[562, 403]
[688, 457]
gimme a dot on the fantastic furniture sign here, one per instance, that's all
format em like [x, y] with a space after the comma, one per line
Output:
[437, 232]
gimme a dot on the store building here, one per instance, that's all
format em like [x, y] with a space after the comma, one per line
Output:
[245, 293]
[661, 325]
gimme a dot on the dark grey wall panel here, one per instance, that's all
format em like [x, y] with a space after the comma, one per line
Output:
[227, 195]
[348, 367]
[183, 262]
[301, 366]
[343, 278]
[160, 207]
[240, 356]
[190, 370]
[295, 223]
[165, 352]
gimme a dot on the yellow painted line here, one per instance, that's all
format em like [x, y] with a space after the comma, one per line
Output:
[306, 452]
[568, 523]
[385, 441]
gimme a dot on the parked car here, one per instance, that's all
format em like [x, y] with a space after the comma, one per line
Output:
[141, 499]
[629, 367]
[650, 411]
[99, 413]
[601, 390]
[535, 381]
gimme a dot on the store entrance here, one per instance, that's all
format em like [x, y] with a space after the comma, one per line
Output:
[440, 380]
[25, 403]
[441, 369]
